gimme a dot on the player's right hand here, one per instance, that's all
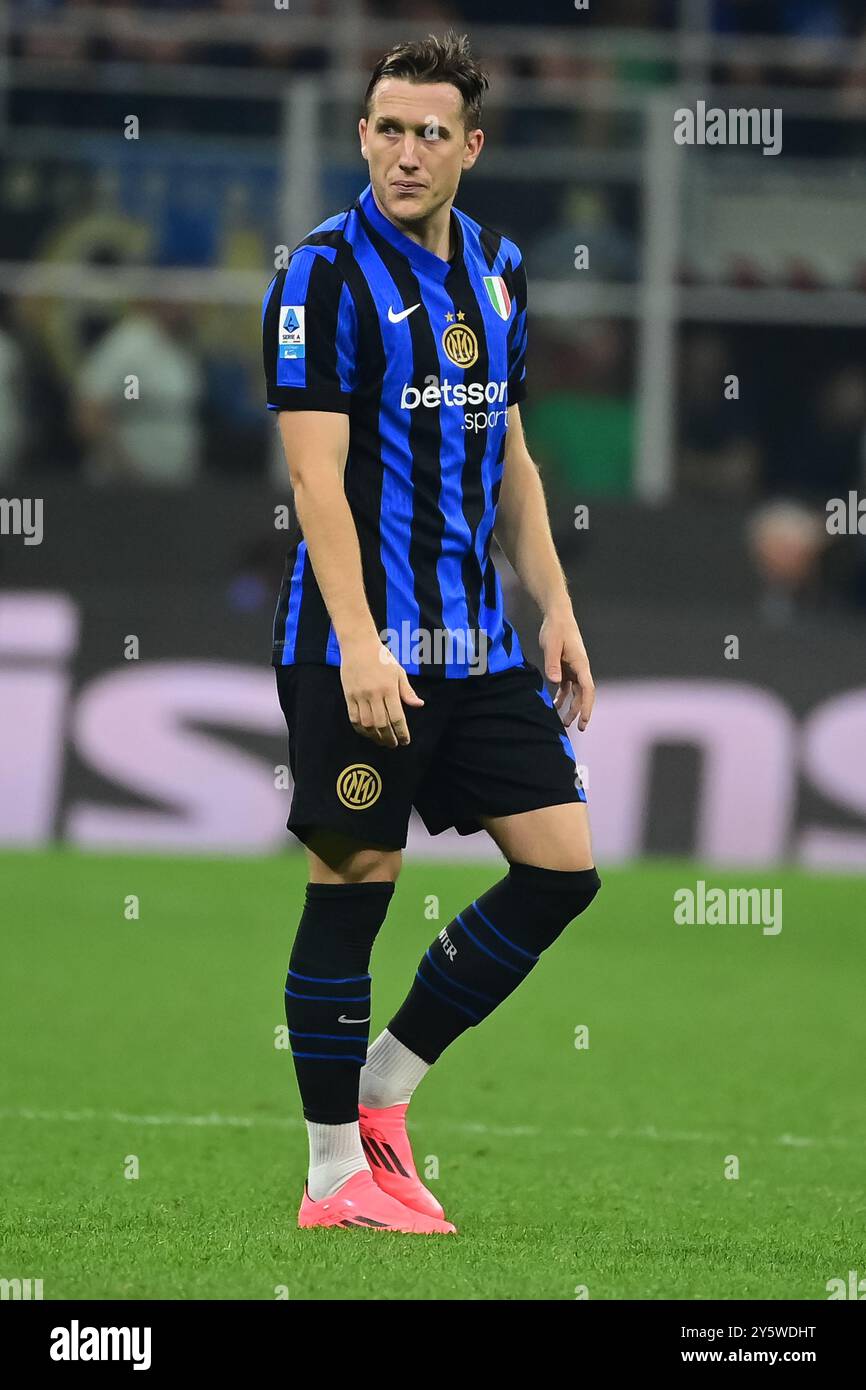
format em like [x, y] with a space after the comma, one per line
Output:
[376, 688]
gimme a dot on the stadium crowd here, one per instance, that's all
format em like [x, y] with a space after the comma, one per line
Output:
[794, 435]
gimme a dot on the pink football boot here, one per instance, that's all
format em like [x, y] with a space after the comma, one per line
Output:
[389, 1154]
[360, 1203]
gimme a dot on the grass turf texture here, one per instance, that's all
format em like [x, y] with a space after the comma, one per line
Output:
[705, 1041]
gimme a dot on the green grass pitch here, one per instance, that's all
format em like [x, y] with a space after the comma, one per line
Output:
[600, 1168]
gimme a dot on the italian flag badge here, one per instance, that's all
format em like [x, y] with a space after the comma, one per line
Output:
[498, 295]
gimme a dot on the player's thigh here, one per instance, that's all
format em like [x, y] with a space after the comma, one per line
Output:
[335, 858]
[508, 767]
[355, 795]
[552, 837]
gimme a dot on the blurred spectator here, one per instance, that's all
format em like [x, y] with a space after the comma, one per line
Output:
[236, 52]
[852, 96]
[256, 570]
[718, 452]
[800, 566]
[560, 124]
[825, 19]
[631, 14]
[436, 14]
[468, 11]
[579, 415]
[237, 431]
[154, 436]
[786, 541]
[819, 449]
[586, 220]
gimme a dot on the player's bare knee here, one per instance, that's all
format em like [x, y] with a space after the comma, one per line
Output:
[338, 859]
[372, 865]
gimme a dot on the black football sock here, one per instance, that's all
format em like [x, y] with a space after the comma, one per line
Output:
[328, 995]
[484, 954]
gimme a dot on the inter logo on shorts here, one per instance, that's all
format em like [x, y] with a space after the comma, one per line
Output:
[498, 295]
[358, 786]
[461, 344]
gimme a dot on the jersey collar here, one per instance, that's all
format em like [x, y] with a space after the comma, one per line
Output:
[427, 262]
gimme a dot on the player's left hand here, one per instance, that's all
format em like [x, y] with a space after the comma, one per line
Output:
[566, 663]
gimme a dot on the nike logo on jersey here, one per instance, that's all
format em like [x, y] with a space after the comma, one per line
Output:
[397, 318]
[343, 1019]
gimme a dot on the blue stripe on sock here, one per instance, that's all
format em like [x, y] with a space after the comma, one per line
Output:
[328, 979]
[452, 1002]
[334, 998]
[519, 949]
[488, 999]
[491, 954]
[327, 1057]
[341, 1037]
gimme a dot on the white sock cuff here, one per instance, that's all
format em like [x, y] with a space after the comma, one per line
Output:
[391, 1072]
[331, 1143]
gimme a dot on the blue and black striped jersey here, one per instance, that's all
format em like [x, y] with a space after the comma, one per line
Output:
[424, 356]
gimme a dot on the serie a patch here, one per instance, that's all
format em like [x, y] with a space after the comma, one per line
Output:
[292, 337]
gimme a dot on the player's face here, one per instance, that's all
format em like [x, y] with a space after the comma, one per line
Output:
[416, 146]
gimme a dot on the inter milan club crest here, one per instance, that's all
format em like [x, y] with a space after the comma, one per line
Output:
[459, 341]
[498, 295]
[358, 786]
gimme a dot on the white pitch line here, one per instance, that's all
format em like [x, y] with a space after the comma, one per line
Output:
[475, 1128]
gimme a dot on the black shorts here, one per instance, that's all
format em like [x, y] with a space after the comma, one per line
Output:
[483, 745]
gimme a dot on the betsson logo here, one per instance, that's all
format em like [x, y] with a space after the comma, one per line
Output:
[457, 393]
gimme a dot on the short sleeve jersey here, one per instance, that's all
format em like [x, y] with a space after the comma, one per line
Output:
[425, 356]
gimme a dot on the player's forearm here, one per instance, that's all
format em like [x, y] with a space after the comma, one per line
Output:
[332, 544]
[523, 531]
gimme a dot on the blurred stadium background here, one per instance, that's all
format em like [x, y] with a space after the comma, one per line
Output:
[705, 512]
[726, 628]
